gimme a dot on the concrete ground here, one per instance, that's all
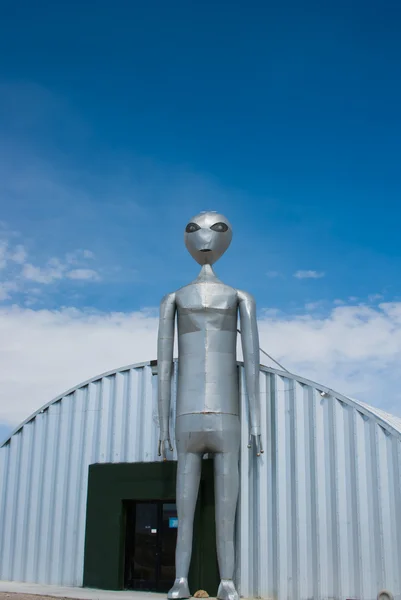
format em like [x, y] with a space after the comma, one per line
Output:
[11, 590]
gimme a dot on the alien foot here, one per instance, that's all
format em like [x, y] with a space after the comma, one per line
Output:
[227, 590]
[179, 590]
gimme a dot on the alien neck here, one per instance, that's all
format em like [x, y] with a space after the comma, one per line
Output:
[207, 274]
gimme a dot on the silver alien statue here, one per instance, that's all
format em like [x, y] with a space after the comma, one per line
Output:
[207, 411]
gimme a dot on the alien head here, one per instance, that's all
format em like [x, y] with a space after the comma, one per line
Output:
[207, 236]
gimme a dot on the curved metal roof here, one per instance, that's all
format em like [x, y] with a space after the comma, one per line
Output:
[384, 419]
[319, 514]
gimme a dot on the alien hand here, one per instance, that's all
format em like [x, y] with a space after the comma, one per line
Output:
[255, 439]
[164, 447]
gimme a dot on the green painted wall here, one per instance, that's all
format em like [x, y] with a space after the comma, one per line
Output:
[108, 487]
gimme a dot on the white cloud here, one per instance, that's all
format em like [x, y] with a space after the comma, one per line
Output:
[313, 306]
[18, 272]
[375, 297]
[11, 253]
[18, 255]
[45, 275]
[74, 258]
[84, 274]
[355, 350]
[3, 254]
[6, 289]
[309, 274]
[55, 270]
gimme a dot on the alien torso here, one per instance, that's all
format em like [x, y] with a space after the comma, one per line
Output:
[207, 333]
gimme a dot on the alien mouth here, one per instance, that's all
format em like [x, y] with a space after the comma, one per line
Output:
[205, 250]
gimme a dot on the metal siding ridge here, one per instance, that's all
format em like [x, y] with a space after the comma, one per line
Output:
[89, 427]
[312, 470]
[97, 437]
[65, 443]
[126, 417]
[304, 583]
[331, 499]
[149, 441]
[322, 525]
[133, 413]
[363, 469]
[139, 423]
[392, 474]
[261, 508]
[42, 428]
[109, 413]
[385, 466]
[354, 502]
[72, 492]
[293, 506]
[17, 509]
[46, 523]
[378, 567]
[23, 508]
[117, 438]
[4, 473]
[282, 524]
[344, 550]
[54, 487]
[270, 381]
[396, 446]
[11, 507]
[30, 523]
[273, 588]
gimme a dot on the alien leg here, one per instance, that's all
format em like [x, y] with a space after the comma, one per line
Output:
[226, 497]
[188, 477]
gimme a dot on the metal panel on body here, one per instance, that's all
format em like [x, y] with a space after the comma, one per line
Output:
[319, 514]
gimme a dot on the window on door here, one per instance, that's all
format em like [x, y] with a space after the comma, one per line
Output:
[151, 535]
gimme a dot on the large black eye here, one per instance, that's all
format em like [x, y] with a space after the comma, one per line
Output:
[220, 227]
[191, 227]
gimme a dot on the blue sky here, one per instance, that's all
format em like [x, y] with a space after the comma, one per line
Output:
[118, 124]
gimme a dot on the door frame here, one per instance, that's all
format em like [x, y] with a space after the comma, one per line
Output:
[109, 486]
[131, 506]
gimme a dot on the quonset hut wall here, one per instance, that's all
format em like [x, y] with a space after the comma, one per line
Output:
[319, 514]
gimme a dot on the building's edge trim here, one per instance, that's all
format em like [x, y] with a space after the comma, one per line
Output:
[362, 408]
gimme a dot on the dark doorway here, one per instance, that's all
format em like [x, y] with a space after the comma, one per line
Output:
[113, 491]
[150, 539]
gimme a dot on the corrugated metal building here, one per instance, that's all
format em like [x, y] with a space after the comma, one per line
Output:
[319, 514]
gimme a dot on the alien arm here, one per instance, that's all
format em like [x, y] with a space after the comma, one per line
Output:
[250, 350]
[165, 347]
